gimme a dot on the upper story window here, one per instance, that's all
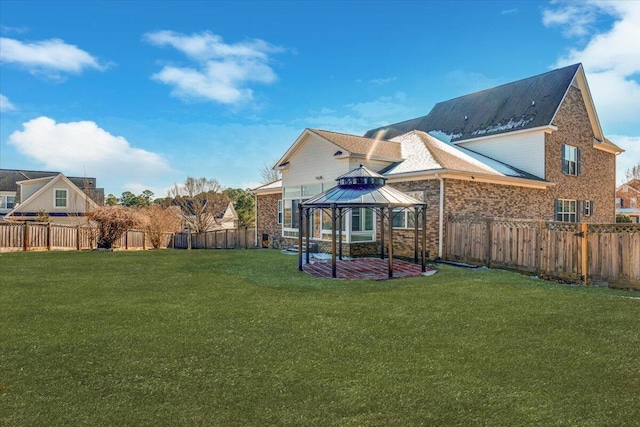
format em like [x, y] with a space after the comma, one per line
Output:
[570, 160]
[60, 198]
[7, 202]
[619, 202]
[279, 211]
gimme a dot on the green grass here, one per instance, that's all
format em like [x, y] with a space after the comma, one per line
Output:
[242, 338]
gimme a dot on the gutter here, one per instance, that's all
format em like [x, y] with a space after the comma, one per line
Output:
[440, 215]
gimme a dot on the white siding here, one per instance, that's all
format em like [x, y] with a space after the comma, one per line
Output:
[524, 151]
[314, 158]
[44, 201]
[27, 189]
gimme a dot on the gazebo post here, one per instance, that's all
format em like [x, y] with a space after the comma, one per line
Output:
[300, 237]
[424, 237]
[340, 234]
[390, 244]
[415, 235]
[333, 240]
[307, 232]
[381, 233]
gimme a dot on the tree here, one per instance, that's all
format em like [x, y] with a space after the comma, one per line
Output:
[129, 199]
[244, 204]
[160, 221]
[201, 202]
[633, 173]
[268, 174]
[113, 222]
[110, 200]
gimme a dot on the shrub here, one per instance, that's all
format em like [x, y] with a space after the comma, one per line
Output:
[160, 221]
[113, 222]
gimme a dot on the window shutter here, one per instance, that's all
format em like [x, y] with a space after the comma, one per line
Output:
[577, 210]
[592, 208]
[578, 161]
[565, 169]
[555, 209]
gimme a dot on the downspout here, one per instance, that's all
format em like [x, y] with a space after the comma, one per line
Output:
[440, 216]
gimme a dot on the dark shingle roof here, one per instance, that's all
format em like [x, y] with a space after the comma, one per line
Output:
[523, 104]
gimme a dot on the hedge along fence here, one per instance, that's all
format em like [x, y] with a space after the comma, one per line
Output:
[46, 236]
[588, 253]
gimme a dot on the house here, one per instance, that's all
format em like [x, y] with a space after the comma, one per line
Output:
[37, 195]
[628, 199]
[531, 149]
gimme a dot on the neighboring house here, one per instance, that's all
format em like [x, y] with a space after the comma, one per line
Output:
[229, 220]
[530, 149]
[628, 200]
[32, 195]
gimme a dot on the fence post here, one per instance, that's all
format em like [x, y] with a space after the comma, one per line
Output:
[541, 245]
[188, 238]
[246, 243]
[225, 240]
[489, 241]
[78, 237]
[585, 254]
[48, 236]
[25, 236]
[144, 240]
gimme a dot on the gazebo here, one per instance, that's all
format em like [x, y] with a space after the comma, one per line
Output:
[361, 188]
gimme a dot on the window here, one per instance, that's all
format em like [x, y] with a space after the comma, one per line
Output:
[361, 219]
[280, 212]
[60, 198]
[405, 217]
[587, 207]
[570, 160]
[567, 210]
[619, 202]
[7, 202]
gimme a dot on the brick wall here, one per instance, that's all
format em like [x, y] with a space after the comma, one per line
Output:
[267, 221]
[597, 179]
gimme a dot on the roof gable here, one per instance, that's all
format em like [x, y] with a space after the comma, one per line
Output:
[524, 104]
[352, 145]
[24, 205]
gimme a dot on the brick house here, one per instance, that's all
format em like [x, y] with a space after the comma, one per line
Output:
[628, 199]
[529, 149]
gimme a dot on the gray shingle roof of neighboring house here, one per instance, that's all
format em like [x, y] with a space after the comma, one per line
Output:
[9, 179]
[524, 104]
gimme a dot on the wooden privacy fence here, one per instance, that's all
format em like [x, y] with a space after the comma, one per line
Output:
[41, 237]
[218, 239]
[589, 253]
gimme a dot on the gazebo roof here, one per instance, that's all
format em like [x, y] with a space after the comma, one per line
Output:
[361, 187]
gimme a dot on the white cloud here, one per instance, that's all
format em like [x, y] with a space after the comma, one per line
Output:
[629, 158]
[6, 105]
[220, 72]
[47, 57]
[610, 58]
[509, 11]
[575, 19]
[382, 81]
[83, 147]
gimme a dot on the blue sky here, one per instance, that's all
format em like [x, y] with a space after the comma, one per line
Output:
[142, 94]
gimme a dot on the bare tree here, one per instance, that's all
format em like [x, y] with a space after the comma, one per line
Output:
[633, 173]
[201, 201]
[113, 222]
[268, 173]
[160, 221]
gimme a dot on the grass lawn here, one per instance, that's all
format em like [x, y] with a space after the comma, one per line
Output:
[241, 338]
